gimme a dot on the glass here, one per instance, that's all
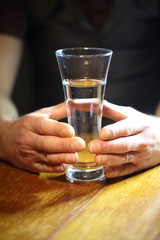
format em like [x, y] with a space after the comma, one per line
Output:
[84, 75]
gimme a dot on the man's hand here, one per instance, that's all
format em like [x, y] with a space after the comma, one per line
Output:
[129, 145]
[38, 142]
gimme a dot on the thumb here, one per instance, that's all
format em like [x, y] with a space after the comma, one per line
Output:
[116, 112]
[56, 112]
[126, 121]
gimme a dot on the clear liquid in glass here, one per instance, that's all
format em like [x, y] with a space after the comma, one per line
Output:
[84, 98]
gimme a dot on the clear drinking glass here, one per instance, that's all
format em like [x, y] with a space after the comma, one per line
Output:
[84, 75]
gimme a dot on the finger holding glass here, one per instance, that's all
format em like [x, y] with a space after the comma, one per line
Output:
[127, 146]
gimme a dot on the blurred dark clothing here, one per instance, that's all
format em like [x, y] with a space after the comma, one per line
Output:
[131, 28]
[13, 17]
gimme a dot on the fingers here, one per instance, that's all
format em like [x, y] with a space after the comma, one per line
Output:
[59, 158]
[116, 159]
[119, 145]
[46, 162]
[38, 147]
[58, 111]
[116, 112]
[52, 144]
[47, 167]
[121, 170]
[54, 162]
[126, 127]
[55, 112]
[46, 126]
[38, 161]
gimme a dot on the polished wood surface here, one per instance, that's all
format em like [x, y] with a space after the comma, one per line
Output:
[34, 207]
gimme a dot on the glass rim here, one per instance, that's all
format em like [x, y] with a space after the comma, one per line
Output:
[102, 51]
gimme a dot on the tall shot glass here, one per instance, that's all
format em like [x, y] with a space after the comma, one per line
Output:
[84, 75]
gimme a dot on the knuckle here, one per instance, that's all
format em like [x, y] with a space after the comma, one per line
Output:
[146, 142]
[25, 122]
[40, 124]
[41, 143]
[129, 131]
[125, 158]
[146, 155]
[112, 133]
[126, 146]
[21, 139]
[144, 145]
[20, 143]
[129, 157]
[47, 157]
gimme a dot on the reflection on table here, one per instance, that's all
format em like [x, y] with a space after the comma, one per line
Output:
[33, 207]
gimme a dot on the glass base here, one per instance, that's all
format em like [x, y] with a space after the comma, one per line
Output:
[89, 174]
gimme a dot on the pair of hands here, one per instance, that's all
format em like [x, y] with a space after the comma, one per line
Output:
[38, 142]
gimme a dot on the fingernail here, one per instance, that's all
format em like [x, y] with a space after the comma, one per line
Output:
[67, 132]
[95, 147]
[105, 134]
[78, 144]
[110, 173]
[71, 158]
[98, 160]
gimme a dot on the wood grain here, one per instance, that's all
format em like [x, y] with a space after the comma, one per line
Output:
[37, 208]
[33, 208]
[129, 209]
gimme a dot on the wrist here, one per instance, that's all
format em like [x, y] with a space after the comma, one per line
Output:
[4, 137]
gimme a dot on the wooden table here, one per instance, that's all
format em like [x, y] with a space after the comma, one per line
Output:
[37, 208]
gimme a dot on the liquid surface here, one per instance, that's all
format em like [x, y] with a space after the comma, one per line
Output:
[84, 82]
